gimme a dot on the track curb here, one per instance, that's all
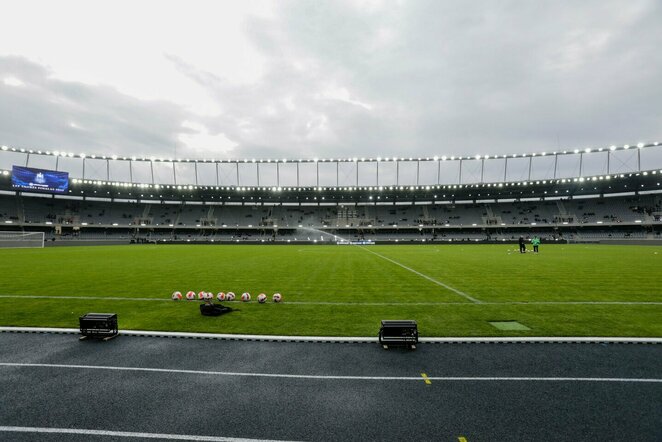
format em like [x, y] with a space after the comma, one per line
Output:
[353, 340]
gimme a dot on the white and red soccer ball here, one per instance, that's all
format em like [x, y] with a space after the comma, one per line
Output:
[221, 296]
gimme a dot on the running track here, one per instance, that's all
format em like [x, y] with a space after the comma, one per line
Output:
[53, 387]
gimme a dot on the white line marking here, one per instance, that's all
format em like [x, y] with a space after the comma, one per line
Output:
[333, 377]
[480, 302]
[161, 436]
[358, 304]
[99, 298]
[576, 303]
[456, 291]
[352, 339]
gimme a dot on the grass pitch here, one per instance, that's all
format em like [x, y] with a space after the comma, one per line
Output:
[451, 290]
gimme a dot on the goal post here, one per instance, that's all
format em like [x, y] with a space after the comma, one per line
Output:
[10, 239]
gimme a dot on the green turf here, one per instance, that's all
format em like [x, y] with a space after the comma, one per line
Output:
[344, 290]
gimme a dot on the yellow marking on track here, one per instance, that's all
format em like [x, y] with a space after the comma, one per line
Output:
[426, 379]
[462, 439]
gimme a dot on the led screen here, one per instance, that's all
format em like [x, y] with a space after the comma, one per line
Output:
[26, 178]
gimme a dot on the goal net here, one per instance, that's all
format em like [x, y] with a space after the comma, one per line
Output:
[21, 239]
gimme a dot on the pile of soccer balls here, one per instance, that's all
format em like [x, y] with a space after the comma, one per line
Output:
[221, 296]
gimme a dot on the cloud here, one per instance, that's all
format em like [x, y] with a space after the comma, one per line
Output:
[47, 113]
[200, 143]
[374, 78]
[425, 78]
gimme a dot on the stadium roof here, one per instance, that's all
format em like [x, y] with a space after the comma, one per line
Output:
[340, 174]
[635, 182]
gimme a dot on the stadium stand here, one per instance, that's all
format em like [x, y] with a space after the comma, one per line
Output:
[589, 219]
[612, 206]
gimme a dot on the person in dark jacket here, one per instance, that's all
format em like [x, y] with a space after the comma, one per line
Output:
[522, 245]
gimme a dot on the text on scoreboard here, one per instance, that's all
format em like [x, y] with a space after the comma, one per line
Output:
[27, 178]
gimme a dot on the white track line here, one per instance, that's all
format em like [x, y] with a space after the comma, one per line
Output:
[353, 339]
[336, 377]
[439, 283]
[358, 304]
[88, 432]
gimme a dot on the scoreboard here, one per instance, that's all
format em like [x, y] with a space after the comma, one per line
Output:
[39, 180]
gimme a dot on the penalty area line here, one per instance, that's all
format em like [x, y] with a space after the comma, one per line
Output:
[439, 283]
[90, 432]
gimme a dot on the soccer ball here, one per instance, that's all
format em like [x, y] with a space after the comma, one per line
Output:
[207, 296]
[201, 295]
[245, 297]
[229, 296]
[277, 297]
[176, 296]
[261, 298]
[190, 296]
[220, 296]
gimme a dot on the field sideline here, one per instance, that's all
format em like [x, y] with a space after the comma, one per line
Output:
[451, 290]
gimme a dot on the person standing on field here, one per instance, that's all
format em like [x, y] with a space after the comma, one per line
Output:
[536, 242]
[522, 245]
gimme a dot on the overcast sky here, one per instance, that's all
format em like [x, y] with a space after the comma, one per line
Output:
[289, 79]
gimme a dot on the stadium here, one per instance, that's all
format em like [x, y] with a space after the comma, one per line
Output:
[331, 220]
[402, 237]
[587, 195]
[348, 243]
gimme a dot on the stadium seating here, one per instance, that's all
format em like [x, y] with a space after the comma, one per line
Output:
[96, 219]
